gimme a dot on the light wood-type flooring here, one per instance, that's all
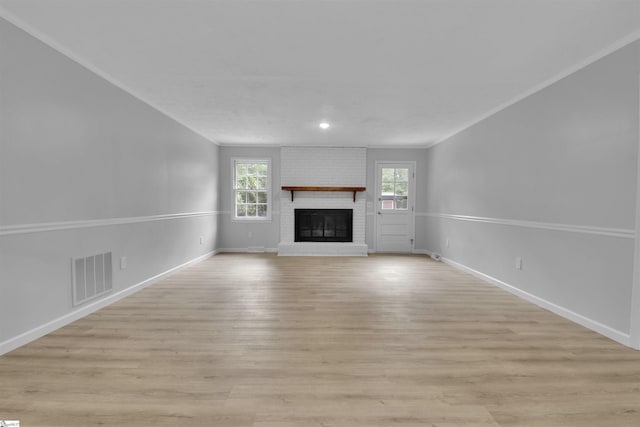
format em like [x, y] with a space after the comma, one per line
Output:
[266, 341]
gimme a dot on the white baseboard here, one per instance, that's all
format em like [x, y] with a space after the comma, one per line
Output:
[414, 251]
[598, 327]
[322, 249]
[246, 250]
[40, 331]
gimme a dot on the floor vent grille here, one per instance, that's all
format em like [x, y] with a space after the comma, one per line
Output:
[92, 277]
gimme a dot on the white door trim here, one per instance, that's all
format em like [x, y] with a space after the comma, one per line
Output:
[412, 190]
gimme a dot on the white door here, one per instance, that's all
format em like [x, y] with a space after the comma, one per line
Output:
[395, 195]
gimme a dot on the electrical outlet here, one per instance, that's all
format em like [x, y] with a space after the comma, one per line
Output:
[518, 263]
[123, 262]
[201, 239]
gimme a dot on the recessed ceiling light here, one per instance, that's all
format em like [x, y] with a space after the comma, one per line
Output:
[324, 125]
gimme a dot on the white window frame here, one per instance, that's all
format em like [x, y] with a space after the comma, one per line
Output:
[234, 162]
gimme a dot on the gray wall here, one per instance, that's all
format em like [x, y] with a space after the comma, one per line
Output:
[551, 179]
[86, 168]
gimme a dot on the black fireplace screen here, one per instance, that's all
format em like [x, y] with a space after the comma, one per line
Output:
[324, 225]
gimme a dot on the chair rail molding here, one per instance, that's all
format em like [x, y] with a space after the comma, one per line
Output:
[571, 228]
[68, 225]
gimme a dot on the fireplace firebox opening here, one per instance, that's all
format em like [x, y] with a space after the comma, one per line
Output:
[324, 225]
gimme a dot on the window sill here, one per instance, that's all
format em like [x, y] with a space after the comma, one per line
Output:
[251, 220]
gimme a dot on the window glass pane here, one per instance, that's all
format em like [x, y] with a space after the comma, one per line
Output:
[387, 204]
[402, 174]
[241, 182]
[261, 183]
[251, 197]
[262, 210]
[387, 188]
[242, 210]
[241, 169]
[262, 197]
[387, 174]
[401, 203]
[251, 210]
[262, 169]
[402, 189]
[241, 197]
[251, 182]
[252, 169]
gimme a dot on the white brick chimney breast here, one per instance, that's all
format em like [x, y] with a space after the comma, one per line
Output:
[322, 167]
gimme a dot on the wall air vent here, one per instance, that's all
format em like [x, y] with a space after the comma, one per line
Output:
[91, 277]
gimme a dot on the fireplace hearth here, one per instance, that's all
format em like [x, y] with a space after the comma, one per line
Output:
[323, 225]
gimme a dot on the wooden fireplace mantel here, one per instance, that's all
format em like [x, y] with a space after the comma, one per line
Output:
[353, 190]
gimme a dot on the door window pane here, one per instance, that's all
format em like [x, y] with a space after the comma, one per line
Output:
[395, 188]
[388, 188]
[401, 203]
[402, 189]
[402, 175]
[388, 174]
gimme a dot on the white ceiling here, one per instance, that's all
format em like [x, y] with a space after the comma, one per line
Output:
[382, 72]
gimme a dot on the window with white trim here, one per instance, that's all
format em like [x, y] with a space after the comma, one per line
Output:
[252, 189]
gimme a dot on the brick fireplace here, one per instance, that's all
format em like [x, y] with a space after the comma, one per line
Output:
[322, 167]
